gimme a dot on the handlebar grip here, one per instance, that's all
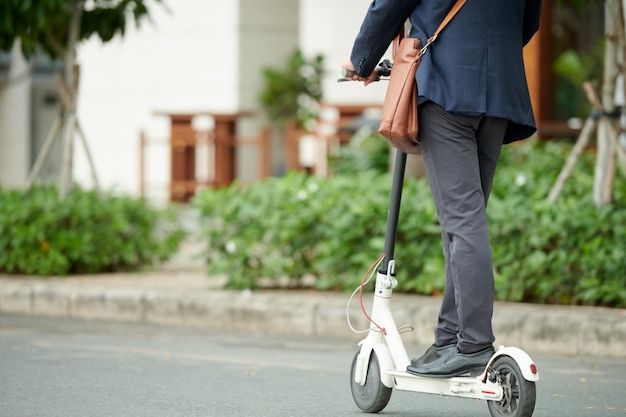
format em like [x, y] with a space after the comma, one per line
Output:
[382, 70]
[347, 73]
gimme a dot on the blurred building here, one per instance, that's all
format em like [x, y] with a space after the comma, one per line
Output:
[174, 104]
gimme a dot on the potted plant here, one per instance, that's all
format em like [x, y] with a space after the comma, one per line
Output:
[290, 98]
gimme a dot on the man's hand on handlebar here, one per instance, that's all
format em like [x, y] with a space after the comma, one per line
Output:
[349, 72]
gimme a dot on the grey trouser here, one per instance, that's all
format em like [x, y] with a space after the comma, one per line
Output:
[460, 154]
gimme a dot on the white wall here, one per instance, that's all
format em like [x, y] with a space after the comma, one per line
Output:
[15, 105]
[182, 62]
[268, 34]
[329, 27]
[206, 55]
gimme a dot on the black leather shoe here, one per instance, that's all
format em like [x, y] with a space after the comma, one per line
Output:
[432, 353]
[454, 363]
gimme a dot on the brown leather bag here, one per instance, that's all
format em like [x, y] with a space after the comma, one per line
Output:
[399, 119]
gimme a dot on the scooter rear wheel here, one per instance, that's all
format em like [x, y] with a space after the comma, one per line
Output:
[519, 393]
[374, 395]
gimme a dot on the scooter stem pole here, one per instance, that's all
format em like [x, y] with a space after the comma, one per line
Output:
[394, 210]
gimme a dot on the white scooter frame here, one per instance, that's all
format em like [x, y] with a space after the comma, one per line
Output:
[508, 381]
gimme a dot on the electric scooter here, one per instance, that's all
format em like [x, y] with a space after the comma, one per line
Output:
[379, 365]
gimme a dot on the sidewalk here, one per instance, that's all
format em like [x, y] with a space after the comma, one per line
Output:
[181, 294]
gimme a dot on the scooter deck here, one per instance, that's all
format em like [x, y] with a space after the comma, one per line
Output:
[459, 386]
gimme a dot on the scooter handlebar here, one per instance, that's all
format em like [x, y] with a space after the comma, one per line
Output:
[382, 70]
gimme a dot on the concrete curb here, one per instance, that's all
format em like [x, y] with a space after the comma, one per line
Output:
[192, 301]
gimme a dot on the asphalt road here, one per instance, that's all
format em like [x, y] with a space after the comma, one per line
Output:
[60, 367]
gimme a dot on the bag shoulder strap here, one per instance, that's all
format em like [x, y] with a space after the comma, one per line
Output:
[453, 11]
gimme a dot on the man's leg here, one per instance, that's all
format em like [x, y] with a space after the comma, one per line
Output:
[454, 148]
[448, 322]
[489, 141]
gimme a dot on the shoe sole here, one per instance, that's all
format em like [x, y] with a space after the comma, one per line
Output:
[472, 373]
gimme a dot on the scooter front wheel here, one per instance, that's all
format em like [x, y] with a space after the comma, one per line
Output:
[374, 395]
[519, 394]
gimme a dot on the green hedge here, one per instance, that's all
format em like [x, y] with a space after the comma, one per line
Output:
[333, 229]
[83, 234]
[565, 253]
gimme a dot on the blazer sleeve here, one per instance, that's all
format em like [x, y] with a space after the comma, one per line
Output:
[532, 11]
[380, 25]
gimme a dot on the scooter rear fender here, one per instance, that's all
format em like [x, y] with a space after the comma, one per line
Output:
[524, 361]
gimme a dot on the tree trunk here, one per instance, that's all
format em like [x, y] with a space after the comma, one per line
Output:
[71, 79]
[588, 129]
[605, 161]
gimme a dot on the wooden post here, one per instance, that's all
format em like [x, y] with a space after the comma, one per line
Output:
[292, 139]
[225, 153]
[182, 157]
[183, 143]
[264, 152]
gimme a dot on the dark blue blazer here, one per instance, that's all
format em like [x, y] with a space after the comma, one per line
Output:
[476, 65]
